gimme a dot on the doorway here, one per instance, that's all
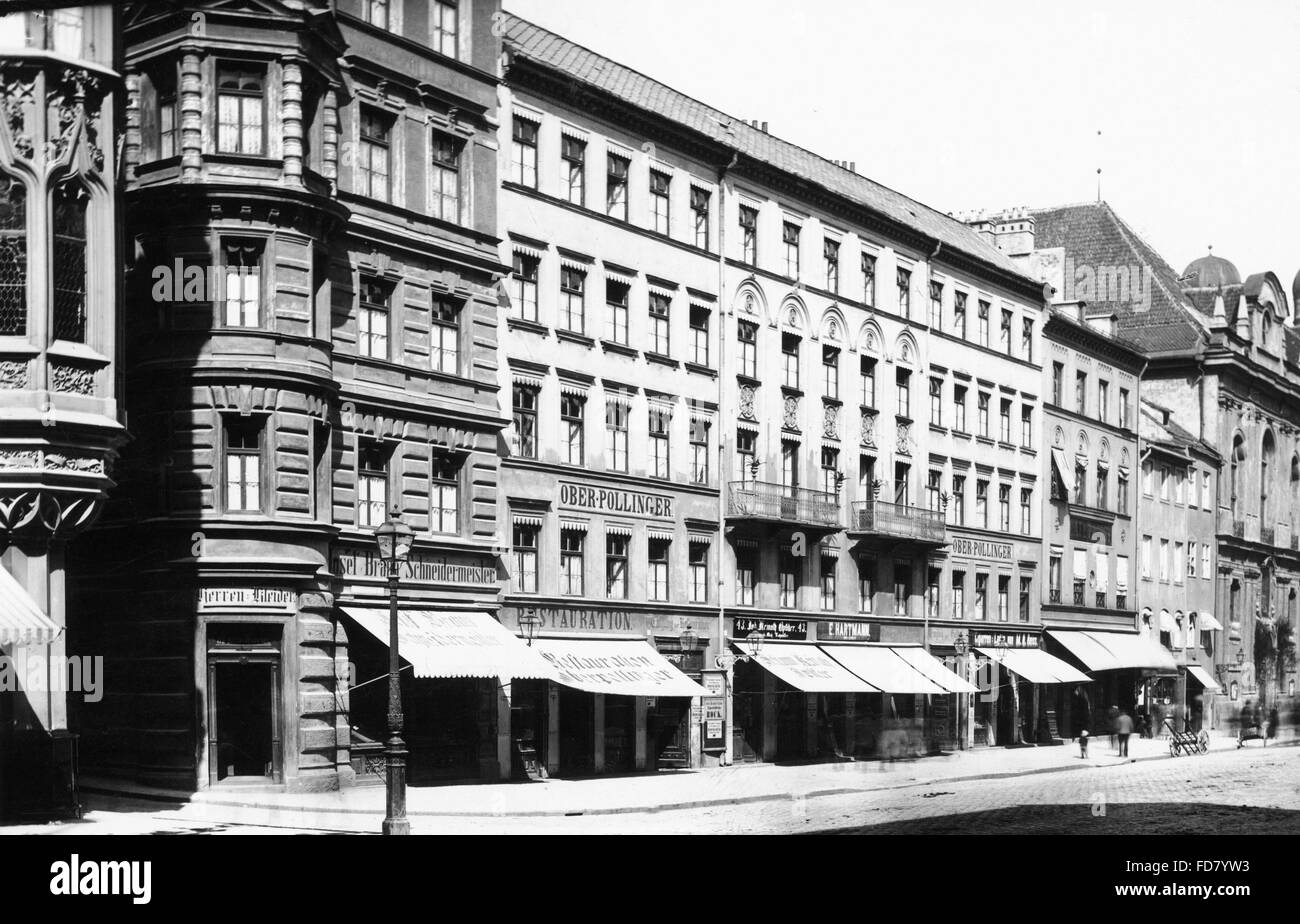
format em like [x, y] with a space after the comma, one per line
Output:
[747, 713]
[244, 719]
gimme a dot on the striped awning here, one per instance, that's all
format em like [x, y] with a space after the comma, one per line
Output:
[881, 667]
[1203, 677]
[1208, 623]
[624, 667]
[22, 621]
[440, 643]
[1035, 665]
[1109, 651]
[934, 670]
[808, 668]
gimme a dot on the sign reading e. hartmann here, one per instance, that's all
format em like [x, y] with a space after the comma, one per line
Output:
[616, 500]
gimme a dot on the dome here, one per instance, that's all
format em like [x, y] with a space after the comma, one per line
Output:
[1295, 291]
[1210, 272]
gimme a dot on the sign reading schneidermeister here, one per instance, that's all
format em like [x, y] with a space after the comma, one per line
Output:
[420, 568]
[616, 501]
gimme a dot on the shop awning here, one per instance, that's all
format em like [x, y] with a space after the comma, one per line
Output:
[935, 670]
[1064, 471]
[455, 644]
[22, 621]
[1207, 623]
[1035, 665]
[881, 667]
[623, 667]
[808, 668]
[1203, 678]
[1110, 651]
[1167, 622]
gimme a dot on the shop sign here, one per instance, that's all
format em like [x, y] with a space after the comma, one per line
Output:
[714, 707]
[784, 629]
[980, 548]
[247, 598]
[575, 619]
[1005, 640]
[848, 631]
[615, 500]
[420, 568]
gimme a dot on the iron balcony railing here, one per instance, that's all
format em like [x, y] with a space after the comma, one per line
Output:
[760, 500]
[897, 520]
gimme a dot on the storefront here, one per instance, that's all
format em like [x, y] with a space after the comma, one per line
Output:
[1201, 690]
[1037, 681]
[1122, 667]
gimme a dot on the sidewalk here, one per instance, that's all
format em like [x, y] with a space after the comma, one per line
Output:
[355, 809]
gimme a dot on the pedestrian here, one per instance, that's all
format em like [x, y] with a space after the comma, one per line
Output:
[1272, 721]
[1123, 728]
[1113, 714]
[1083, 744]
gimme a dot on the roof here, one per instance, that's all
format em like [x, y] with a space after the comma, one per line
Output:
[532, 42]
[1093, 236]
[1153, 427]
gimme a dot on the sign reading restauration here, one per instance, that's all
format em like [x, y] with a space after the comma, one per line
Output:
[615, 500]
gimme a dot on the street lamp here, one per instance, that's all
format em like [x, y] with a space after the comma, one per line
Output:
[394, 540]
[530, 621]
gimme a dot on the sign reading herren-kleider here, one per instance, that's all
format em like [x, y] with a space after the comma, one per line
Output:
[616, 500]
[421, 567]
[249, 598]
[979, 548]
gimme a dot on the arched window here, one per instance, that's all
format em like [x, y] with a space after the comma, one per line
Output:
[1234, 473]
[13, 256]
[1268, 450]
[69, 262]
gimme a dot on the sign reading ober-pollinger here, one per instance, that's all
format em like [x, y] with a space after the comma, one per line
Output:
[616, 500]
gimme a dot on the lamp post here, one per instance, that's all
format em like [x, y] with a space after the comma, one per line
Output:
[962, 646]
[394, 540]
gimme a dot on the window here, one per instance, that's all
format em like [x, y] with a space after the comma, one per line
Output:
[933, 489]
[1004, 596]
[1164, 560]
[168, 112]
[868, 280]
[659, 201]
[933, 577]
[1103, 480]
[1027, 340]
[573, 155]
[1180, 486]
[66, 31]
[573, 412]
[572, 558]
[442, 17]
[1123, 408]
[959, 595]
[1164, 483]
[572, 315]
[13, 256]
[790, 359]
[372, 484]
[958, 504]
[1188, 490]
[616, 420]
[867, 368]
[243, 295]
[1004, 420]
[1026, 511]
[745, 456]
[746, 564]
[1146, 557]
[657, 577]
[700, 216]
[1103, 399]
[444, 336]
[1026, 584]
[1004, 507]
[1081, 392]
[788, 580]
[936, 305]
[699, 451]
[866, 585]
[374, 150]
[1058, 377]
[659, 306]
[983, 407]
[831, 373]
[789, 464]
[372, 319]
[699, 335]
[1004, 336]
[244, 464]
[1121, 493]
[749, 234]
[616, 294]
[444, 494]
[982, 503]
[523, 288]
[959, 314]
[523, 151]
[1121, 582]
[984, 323]
[981, 596]
[936, 402]
[444, 178]
[959, 408]
[1026, 426]
[1205, 562]
[1146, 479]
[903, 381]
[1205, 491]
[239, 109]
[828, 583]
[831, 256]
[747, 336]
[1080, 576]
[524, 438]
[525, 549]
[1080, 483]
[902, 587]
[830, 459]
[1191, 558]
[659, 449]
[70, 266]
[616, 567]
[904, 281]
[866, 476]
[1179, 565]
[790, 238]
[1054, 577]
[699, 563]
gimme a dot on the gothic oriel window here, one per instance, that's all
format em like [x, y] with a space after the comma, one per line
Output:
[69, 262]
[13, 256]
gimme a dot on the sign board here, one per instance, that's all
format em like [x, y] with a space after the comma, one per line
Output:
[714, 707]
[247, 598]
[1005, 640]
[421, 568]
[785, 629]
[1052, 730]
[574, 619]
[594, 499]
[939, 717]
[848, 631]
[981, 548]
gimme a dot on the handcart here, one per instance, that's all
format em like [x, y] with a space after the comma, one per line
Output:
[1187, 742]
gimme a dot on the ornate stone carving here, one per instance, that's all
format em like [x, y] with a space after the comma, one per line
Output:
[13, 373]
[747, 401]
[55, 514]
[791, 416]
[19, 458]
[75, 379]
[903, 445]
[868, 429]
[831, 421]
[57, 461]
[18, 87]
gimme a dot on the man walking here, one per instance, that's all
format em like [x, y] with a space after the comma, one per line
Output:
[1123, 728]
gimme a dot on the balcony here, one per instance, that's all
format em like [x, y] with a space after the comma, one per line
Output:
[775, 503]
[1054, 595]
[898, 522]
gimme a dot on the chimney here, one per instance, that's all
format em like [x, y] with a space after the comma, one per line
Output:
[853, 166]
[1102, 322]
[981, 224]
[764, 128]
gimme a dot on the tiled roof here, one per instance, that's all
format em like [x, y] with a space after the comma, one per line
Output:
[634, 88]
[1093, 235]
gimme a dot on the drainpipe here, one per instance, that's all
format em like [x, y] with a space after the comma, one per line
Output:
[724, 456]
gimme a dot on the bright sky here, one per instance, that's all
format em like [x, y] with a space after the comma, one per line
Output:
[994, 104]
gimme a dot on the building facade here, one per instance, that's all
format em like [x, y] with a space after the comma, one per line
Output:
[311, 208]
[59, 365]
